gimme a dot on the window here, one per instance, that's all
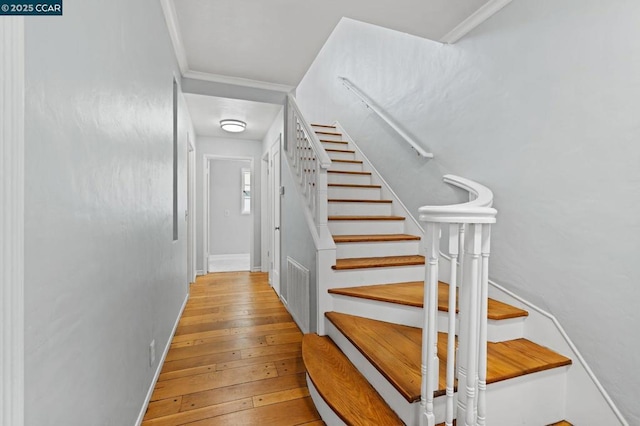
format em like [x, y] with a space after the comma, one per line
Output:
[245, 199]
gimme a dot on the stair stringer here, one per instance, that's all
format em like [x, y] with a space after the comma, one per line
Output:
[586, 400]
[412, 225]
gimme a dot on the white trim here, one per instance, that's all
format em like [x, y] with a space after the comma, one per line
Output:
[200, 272]
[257, 269]
[12, 114]
[237, 81]
[229, 262]
[145, 405]
[478, 17]
[170, 16]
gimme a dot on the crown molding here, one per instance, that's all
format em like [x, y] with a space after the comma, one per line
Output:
[12, 221]
[478, 17]
[237, 81]
[171, 17]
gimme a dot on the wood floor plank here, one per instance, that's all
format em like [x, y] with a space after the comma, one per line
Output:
[276, 397]
[412, 294]
[205, 379]
[288, 413]
[243, 390]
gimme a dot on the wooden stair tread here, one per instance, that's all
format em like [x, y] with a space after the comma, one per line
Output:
[378, 262]
[374, 238]
[342, 386]
[323, 132]
[347, 161]
[329, 126]
[366, 218]
[353, 200]
[329, 141]
[561, 423]
[354, 185]
[412, 294]
[395, 351]
[344, 151]
[347, 172]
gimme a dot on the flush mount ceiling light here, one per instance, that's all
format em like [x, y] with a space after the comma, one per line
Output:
[233, 126]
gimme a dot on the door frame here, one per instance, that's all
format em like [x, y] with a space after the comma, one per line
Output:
[275, 197]
[206, 162]
[12, 143]
[191, 209]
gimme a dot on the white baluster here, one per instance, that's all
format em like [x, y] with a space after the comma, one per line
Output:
[454, 235]
[430, 370]
[482, 343]
[472, 279]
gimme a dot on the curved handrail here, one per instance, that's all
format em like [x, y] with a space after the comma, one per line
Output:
[384, 116]
[478, 210]
[321, 154]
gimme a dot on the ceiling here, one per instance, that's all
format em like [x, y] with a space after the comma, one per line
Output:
[207, 111]
[271, 44]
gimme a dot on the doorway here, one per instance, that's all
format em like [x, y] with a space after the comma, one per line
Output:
[229, 209]
[274, 214]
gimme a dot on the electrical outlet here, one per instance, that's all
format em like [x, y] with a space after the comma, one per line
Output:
[152, 353]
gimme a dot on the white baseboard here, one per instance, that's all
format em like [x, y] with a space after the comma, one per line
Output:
[200, 273]
[229, 262]
[160, 364]
[256, 269]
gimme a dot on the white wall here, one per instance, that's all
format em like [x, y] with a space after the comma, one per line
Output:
[228, 148]
[228, 233]
[103, 274]
[541, 104]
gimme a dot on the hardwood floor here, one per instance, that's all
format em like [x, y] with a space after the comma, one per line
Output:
[235, 360]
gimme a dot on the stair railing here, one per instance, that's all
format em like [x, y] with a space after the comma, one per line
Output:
[384, 116]
[469, 267]
[310, 162]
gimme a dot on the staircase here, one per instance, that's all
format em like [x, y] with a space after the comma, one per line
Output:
[367, 369]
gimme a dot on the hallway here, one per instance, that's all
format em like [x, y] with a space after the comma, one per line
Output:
[235, 359]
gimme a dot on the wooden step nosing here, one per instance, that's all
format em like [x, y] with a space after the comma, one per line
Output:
[320, 132]
[341, 151]
[349, 172]
[371, 238]
[366, 218]
[347, 161]
[353, 185]
[354, 200]
[378, 262]
[357, 384]
[328, 126]
[329, 141]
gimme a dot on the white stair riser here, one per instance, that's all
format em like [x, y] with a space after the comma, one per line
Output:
[327, 144]
[346, 167]
[349, 178]
[341, 155]
[366, 276]
[359, 209]
[497, 331]
[366, 227]
[395, 248]
[405, 410]
[354, 193]
[325, 137]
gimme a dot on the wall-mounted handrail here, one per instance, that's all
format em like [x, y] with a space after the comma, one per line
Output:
[384, 116]
[469, 235]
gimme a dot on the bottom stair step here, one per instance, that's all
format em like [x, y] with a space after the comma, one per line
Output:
[342, 387]
[395, 351]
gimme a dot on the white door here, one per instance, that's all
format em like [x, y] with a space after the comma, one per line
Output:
[275, 216]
